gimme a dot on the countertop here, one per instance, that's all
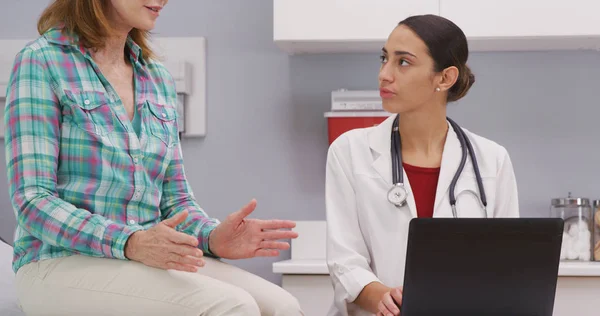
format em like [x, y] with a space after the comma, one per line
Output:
[317, 266]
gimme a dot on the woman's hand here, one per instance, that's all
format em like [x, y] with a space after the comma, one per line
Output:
[163, 247]
[238, 237]
[390, 303]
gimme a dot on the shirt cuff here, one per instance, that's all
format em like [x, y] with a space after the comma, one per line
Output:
[203, 239]
[117, 250]
[354, 280]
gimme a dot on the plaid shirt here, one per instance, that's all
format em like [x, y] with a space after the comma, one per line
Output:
[80, 179]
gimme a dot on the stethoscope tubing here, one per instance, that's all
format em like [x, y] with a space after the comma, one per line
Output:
[466, 148]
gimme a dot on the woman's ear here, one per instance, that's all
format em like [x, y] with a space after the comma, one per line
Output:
[448, 77]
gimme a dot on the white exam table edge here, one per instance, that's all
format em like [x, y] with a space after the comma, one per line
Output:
[8, 296]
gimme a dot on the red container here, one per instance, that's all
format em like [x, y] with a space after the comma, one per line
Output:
[341, 122]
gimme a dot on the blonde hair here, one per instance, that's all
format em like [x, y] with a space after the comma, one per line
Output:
[88, 19]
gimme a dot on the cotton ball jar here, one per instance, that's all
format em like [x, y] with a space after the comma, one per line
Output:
[578, 241]
[596, 230]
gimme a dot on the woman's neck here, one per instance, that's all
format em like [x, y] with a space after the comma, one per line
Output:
[424, 132]
[113, 53]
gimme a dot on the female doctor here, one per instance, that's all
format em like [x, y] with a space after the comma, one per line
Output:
[379, 178]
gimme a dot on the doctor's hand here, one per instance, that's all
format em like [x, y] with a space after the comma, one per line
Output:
[238, 237]
[390, 303]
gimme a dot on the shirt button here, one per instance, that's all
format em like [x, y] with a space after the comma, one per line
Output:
[132, 222]
[135, 160]
[164, 114]
[86, 102]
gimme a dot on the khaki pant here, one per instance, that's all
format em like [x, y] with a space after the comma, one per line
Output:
[81, 285]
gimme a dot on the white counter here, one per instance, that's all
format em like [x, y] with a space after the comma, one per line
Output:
[317, 266]
[307, 278]
[568, 269]
[578, 285]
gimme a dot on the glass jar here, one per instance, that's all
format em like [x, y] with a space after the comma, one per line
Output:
[579, 222]
[596, 231]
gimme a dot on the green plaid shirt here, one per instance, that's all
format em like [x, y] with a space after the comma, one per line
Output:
[80, 179]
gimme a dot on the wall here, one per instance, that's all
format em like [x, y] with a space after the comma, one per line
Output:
[267, 136]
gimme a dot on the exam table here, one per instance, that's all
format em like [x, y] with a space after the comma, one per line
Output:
[8, 295]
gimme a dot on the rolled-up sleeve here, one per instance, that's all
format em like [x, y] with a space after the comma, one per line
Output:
[177, 195]
[32, 120]
[347, 254]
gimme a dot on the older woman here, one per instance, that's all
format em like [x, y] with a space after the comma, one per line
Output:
[107, 223]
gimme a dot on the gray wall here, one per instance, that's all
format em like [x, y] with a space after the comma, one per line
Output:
[267, 137]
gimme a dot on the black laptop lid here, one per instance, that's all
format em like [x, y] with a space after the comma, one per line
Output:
[498, 266]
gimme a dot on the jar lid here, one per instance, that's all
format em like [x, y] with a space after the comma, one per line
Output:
[571, 202]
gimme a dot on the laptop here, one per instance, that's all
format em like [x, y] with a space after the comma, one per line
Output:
[478, 266]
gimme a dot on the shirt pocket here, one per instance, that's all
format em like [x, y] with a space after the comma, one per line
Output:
[89, 110]
[162, 123]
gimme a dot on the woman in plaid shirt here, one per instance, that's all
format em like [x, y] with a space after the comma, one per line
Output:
[107, 222]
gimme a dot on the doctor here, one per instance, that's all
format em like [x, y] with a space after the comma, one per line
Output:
[379, 178]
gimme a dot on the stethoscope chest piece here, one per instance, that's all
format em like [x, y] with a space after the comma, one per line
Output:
[397, 195]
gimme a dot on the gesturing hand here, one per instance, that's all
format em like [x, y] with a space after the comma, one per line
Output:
[238, 237]
[163, 247]
[390, 303]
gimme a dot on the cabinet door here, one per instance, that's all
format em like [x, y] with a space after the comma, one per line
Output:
[343, 20]
[523, 18]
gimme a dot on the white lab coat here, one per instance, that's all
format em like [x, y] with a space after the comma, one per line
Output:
[366, 235]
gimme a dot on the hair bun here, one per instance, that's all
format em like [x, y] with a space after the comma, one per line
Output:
[465, 80]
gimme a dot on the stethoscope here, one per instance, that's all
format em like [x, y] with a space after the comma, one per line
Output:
[397, 194]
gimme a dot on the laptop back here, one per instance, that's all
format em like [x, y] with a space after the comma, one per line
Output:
[471, 266]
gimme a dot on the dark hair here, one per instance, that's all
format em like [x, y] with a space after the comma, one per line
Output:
[447, 46]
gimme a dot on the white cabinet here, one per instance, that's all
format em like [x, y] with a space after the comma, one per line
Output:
[302, 26]
[526, 24]
[319, 26]
[518, 18]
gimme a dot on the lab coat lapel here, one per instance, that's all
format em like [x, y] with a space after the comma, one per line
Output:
[450, 162]
[379, 142]
[380, 139]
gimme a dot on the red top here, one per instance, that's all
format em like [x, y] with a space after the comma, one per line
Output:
[423, 182]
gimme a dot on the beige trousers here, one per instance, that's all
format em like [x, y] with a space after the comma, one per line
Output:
[81, 285]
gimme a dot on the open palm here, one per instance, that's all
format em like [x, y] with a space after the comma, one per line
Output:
[238, 237]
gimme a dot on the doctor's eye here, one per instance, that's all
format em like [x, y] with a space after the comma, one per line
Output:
[383, 59]
[404, 63]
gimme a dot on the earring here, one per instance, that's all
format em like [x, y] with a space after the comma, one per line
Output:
[437, 89]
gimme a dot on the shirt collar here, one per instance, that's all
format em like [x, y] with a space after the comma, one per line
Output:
[60, 36]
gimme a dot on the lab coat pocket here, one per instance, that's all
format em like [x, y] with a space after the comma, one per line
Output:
[374, 209]
[88, 110]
